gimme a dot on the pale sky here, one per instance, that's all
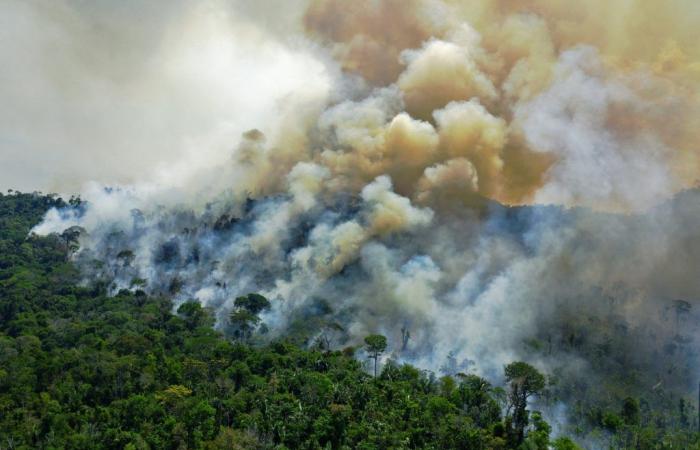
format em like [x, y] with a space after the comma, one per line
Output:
[110, 91]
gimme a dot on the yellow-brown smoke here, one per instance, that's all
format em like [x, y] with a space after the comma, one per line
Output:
[367, 191]
[485, 89]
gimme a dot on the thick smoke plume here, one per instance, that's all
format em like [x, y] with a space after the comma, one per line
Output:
[378, 201]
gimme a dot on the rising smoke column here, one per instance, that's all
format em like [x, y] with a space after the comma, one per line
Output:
[383, 196]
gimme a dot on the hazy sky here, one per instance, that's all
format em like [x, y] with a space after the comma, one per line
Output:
[115, 90]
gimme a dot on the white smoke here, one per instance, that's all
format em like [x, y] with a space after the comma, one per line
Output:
[597, 164]
[122, 92]
[371, 182]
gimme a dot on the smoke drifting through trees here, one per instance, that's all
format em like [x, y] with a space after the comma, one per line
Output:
[380, 196]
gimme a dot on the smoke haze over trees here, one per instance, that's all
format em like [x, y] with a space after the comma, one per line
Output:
[480, 182]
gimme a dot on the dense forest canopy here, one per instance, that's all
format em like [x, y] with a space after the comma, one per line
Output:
[83, 369]
[350, 224]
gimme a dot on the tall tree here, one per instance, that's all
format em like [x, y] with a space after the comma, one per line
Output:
[525, 381]
[375, 344]
[194, 315]
[244, 318]
[255, 303]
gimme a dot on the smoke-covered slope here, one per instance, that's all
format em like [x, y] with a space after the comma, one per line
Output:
[375, 198]
[604, 302]
[83, 370]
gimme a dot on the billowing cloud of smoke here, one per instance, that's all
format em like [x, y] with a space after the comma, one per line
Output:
[121, 92]
[381, 197]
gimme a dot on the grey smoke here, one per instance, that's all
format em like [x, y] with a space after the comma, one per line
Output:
[368, 205]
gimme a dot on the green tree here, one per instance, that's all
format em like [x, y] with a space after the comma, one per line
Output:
[630, 411]
[538, 437]
[524, 381]
[255, 303]
[564, 443]
[244, 318]
[375, 344]
[194, 315]
[82, 369]
[244, 323]
[611, 422]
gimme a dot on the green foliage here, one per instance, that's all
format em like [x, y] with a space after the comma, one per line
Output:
[526, 377]
[194, 315]
[564, 443]
[254, 303]
[630, 411]
[660, 382]
[538, 437]
[525, 381]
[244, 320]
[375, 344]
[612, 422]
[82, 370]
